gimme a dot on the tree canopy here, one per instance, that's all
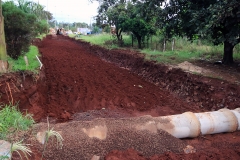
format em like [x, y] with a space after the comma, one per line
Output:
[219, 21]
[23, 21]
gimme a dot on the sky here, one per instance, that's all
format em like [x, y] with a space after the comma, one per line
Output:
[71, 10]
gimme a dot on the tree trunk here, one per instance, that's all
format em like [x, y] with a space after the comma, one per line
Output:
[132, 40]
[164, 45]
[173, 43]
[3, 51]
[139, 39]
[228, 53]
[118, 33]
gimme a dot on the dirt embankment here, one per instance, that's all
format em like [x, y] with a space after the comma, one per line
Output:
[204, 93]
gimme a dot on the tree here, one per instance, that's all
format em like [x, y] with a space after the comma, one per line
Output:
[218, 19]
[3, 51]
[34, 8]
[41, 27]
[114, 18]
[138, 21]
[19, 29]
[95, 29]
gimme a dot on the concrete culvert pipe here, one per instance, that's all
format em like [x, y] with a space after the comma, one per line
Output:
[191, 124]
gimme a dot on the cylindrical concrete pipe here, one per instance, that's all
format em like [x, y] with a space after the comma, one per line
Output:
[191, 124]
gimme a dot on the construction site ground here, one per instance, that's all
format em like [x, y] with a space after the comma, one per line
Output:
[81, 82]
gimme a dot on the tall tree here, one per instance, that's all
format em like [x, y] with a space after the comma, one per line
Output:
[35, 8]
[114, 18]
[19, 29]
[218, 19]
[139, 21]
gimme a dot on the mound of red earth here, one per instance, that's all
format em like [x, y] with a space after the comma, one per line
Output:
[77, 77]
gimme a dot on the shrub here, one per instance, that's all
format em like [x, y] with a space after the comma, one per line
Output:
[19, 27]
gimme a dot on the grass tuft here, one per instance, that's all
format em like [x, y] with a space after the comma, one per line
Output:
[12, 121]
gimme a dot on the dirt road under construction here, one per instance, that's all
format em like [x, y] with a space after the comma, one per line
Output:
[80, 81]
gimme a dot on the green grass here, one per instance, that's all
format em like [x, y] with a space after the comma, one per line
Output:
[170, 57]
[20, 65]
[12, 121]
[98, 39]
[184, 50]
[41, 36]
[72, 35]
[105, 40]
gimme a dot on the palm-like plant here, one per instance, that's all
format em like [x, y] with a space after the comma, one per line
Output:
[51, 133]
[18, 146]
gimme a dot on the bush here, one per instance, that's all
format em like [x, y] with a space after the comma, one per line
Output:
[41, 27]
[19, 27]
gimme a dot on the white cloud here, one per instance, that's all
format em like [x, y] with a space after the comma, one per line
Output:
[71, 10]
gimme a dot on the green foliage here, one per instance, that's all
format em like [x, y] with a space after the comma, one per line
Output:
[98, 39]
[41, 36]
[35, 8]
[128, 16]
[95, 30]
[12, 121]
[20, 65]
[217, 20]
[41, 27]
[184, 50]
[22, 23]
[18, 29]
[106, 29]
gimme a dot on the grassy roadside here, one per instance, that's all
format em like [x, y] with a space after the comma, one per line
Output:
[20, 65]
[12, 121]
[183, 49]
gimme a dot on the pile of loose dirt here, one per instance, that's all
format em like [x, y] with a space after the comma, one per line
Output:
[84, 139]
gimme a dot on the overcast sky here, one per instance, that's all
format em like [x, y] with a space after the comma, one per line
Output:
[71, 10]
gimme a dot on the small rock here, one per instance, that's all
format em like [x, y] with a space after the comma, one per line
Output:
[95, 157]
[41, 137]
[5, 148]
[189, 149]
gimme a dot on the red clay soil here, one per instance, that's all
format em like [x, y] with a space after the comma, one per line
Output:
[78, 77]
